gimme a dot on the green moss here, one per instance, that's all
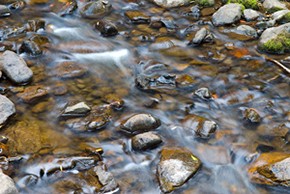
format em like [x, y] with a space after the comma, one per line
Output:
[205, 3]
[253, 4]
[285, 18]
[278, 45]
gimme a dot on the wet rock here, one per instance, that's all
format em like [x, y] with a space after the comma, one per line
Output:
[171, 3]
[115, 101]
[137, 17]
[176, 166]
[247, 31]
[252, 115]
[195, 12]
[4, 11]
[98, 123]
[203, 93]
[140, 123]
[27, 181]
[7, 109]
[250, 14]
[276, 39]
[15, 68]
[201, 126]
[68, 8]
[78, 110]
[70, 69]
[202, 36]
[18, 5]
[281, 16]
[7, 184]
[155, 82]
[273, 5]
[227, 14]
[96, 9]
[35, 25]
[205, 3]
[30, 136]
[105, 178]
[271, 169]
[145, 141]
[106, 28]
[30, 47]
[32, 94]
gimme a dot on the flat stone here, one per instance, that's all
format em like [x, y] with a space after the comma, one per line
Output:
[140, 123]
[32, 94]
[7, 184]
[227, 14]
[176, 166]
[247, 31]
[70, 69]
[145, 141]
[7, 109]
[79, 109]
[15, 68]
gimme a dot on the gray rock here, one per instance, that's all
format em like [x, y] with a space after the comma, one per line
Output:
[79, 109]
[96, 9]
[203, 93]
[247, 31]
[4, 11]
[279, 14]
[227, 14]
[171, 3]
[7, 184]
[145, 141]
[140, 123]
[7, 108]
[250, 14]
[203, 35]
[176, 166]
[15, 67]
[273, 5]
[105, 178]
[276, 39]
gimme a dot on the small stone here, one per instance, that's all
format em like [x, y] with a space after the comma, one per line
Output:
[32, 94]
[96, 9]
[202, 36]
[227, 14]
[252, 115]
[7, 109]
[18, 5]
[30, 47]
[7, 184]
[79, 109]
[247, 31]
[98, 123]
[15, 68]
[145, 141]
[176, 166]
[203, 93]
[106, 28]
[250, 14]
[140, 123]
[137, 17]
[171, 3]
[201, 126]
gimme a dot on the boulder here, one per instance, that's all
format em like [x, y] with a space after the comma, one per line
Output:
[15, 68]
[227, 14]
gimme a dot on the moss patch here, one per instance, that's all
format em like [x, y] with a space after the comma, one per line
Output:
[278, 45]
[253, 4]
[205, 3]
[285, 18]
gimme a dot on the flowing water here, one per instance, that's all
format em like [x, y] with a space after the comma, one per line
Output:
[235, 72]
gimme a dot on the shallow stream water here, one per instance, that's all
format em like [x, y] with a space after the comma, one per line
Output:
[235, 72]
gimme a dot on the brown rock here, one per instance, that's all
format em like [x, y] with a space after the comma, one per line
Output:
[69, 69]
[33, 93]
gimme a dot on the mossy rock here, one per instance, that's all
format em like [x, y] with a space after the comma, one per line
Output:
[204, 3]
[276, 40]
[285, 18]
[253, 4]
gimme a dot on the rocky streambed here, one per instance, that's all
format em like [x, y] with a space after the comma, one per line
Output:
[144, 96]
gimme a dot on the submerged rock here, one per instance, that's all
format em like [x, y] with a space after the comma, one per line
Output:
[227, 14]
[96, 9]
[30, 47]
[137, 17]
[276, 39]
[271, 169]
[145, 141]
[7, 184]
[202, 36]
[252, 115]
[70, 69]
[140, 123]
[201, 126]
[4, 11]
[106, 28]
[15, 68]
[32, 94]
[171, 3]
[203, 93]
[176, 166]
[7, 109]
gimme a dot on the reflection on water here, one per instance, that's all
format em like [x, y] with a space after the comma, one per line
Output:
[238, 77]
